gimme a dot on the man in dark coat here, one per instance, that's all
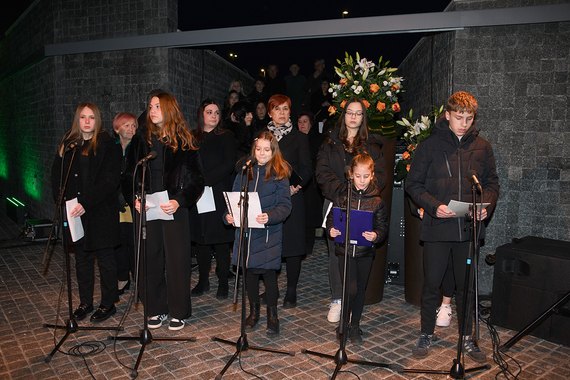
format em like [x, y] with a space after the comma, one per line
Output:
[438, 174]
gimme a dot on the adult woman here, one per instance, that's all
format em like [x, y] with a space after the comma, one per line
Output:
[294, 146]
[218, 151]
[260, 117]
[237, 86]
[232, 98]
[93, 180]
[311, 192]
[177, 170]
[239, 122]
[125, 126]
[349, 138]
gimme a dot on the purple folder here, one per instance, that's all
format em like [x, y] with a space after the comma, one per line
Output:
[360, 221]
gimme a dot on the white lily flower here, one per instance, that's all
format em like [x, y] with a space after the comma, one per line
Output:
[388, 93]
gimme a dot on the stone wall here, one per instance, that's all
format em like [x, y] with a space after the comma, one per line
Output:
[520, 77]
[40, 96]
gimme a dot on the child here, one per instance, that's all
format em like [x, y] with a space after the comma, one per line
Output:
[269, 178]
[366, 197]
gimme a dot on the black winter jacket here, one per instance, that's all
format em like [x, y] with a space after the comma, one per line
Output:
[438, 174]
[181, 173]
[331, 162]
[366, 200]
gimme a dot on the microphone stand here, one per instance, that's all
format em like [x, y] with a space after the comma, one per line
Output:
[145, 337]
[71, 325]
[341, 357]
[242, 344]
[458, 370]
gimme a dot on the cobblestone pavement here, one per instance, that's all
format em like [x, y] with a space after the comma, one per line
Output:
[30, 297]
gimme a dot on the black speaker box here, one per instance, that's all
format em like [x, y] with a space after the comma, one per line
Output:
[530, 275]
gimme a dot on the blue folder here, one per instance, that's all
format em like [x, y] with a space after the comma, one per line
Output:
[360, 221]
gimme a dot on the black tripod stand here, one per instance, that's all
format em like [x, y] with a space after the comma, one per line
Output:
[71, 325]
[458, 370]
[145, 337]
[242, 344]
[341, 357]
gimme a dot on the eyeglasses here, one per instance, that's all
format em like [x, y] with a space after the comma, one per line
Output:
[357, 113]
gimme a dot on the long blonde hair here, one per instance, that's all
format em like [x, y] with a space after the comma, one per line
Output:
[75, 134]
[173, 127]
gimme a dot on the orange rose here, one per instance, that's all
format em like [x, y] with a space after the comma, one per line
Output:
[396, 107]
[411, 147]
[380, 106]
[408, 167]
[374, 88]
[332, 110]
[343, 104]
[366, 104]
[405, 155]
[395, 87]
[344, 81]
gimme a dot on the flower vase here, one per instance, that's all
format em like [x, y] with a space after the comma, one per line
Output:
[375, 288]
[382, 125]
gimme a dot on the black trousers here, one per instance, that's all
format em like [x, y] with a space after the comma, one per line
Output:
[204, 258]
[168, 266]
[253, 276]
[125, 253]
[436, 256]
[359, 271]
[84, 267]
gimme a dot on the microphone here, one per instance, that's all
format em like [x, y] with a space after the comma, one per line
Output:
[151, 156]
[251, 161]
[347, 172]
[472, 177]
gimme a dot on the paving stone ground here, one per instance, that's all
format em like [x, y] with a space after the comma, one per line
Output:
[31, 296]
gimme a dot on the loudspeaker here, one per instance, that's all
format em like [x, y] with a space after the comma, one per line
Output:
[530, 275]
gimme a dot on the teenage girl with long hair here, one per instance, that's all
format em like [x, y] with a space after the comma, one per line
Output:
[177, 170]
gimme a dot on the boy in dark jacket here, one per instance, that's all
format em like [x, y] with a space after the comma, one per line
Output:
[365, 196]
[438, 174]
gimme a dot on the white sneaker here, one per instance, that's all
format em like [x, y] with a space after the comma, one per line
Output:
[334, 311]
[156, 321]
[443, 315]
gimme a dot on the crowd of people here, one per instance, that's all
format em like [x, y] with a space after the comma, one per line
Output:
[299, 169]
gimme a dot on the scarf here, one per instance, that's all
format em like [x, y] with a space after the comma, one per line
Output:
[279, 132]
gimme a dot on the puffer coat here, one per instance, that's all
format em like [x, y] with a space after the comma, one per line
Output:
[265, 243]
[365, 200]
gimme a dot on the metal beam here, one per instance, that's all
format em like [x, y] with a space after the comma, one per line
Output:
[410, 23]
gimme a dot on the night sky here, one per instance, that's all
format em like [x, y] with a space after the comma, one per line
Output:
[196, 15]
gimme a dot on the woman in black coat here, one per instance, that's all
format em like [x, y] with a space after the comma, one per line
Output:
[176, 170]
[94, 181]
[348, 139]
[294, 146]
[218, 152]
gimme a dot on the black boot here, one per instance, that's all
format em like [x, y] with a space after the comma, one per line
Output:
[251, 321]
[201, 287]
[222, 289]
[272, 321]
[290, 300]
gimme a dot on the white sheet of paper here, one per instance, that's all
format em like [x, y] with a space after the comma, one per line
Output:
[232, 201]
[154, 201]
[75, 225]
[206, 202]
[462, 208]
[326, 214]
[321, 126]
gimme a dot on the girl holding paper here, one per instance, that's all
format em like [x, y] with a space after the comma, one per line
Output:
[269, 178]
[93, 180]
[218, 152]
[365, 196]
[177, 171]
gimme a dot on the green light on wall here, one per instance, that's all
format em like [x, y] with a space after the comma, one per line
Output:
[3, 164]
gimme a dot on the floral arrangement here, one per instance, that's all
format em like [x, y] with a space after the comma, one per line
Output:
[375, 84]
[416, 131]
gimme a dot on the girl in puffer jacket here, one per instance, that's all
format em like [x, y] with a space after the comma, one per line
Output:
[366, 197]
[270, 179]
